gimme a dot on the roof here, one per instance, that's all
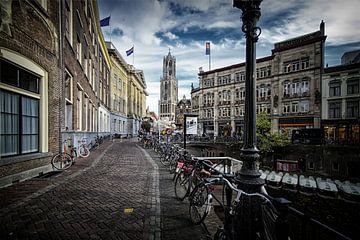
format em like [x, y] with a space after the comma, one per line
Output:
[340, 68]
[259, 60]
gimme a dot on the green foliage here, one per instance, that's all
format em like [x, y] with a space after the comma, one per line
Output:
[146, 126]
[266, 140]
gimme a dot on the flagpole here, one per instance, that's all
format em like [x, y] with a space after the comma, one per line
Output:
[133, 55]
[209, 61]
[110, 27]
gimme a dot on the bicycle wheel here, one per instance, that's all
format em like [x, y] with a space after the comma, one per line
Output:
[199, 203]
[164, 159]
[84, 151]
[61, 161]
[172, 166]
[181, 186]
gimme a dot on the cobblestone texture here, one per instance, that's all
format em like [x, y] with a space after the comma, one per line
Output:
[120, 192]
[87, 204]
[175, 219]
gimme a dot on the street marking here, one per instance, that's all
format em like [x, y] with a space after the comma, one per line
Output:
[128, 210]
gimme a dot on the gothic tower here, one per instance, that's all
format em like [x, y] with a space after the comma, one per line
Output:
[168, 88]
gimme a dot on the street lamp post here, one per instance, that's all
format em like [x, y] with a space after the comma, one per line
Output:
[248, 178]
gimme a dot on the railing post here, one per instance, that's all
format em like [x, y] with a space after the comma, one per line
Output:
[282, 224]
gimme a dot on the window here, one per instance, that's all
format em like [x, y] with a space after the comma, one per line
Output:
[286, 108]
[15, 76]
[114, 103]
[242, 93]
[237, 77]
[79, 101]
[304, 106]
[68, 100]
[19, 129]
[335, 88]
[242, 111]
[78, 49]
[242, 76]
[68, 20]
[305, 63]
[295, 88]
[334, 109]
[352, 109]
[294, 107]
[287, 86]
[19, 124]
[353, 86]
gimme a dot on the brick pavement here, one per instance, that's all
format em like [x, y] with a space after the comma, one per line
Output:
[175, 219]
[120, 192]
[92, 200]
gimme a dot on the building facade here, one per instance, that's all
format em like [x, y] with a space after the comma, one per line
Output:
[118, 92]
[30, 103]
[55, 83]
[86, 68]
[183, 106]
[104, 87]
[287, 89]
[168, 89]
[136, 93]
[340, 104]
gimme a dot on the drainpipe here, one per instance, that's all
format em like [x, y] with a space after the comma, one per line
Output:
[61, 71]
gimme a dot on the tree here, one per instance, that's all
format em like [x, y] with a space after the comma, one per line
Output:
[266, 140]
[146, 126]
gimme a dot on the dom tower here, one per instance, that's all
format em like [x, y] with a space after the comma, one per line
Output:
[168, 89]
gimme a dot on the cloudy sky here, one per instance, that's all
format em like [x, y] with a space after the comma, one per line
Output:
[154, 26]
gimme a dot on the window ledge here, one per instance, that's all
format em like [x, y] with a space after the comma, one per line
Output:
[23, 158]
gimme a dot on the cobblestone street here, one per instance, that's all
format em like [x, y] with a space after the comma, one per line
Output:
[119, 192]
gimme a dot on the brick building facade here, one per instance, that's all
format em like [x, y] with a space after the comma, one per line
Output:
[30, 89]
[55, 72]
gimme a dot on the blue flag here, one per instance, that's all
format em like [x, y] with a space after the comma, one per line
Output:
[105, 22]
[130, 51]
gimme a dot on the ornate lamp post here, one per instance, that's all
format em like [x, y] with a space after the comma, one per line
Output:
[248, 178]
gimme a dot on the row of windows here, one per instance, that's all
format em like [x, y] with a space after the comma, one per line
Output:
[296, 65]
[238, 111]
[296, 107]
[352, 109]
[262, 72]
[296, 88]
[119, 104]
[352, 87]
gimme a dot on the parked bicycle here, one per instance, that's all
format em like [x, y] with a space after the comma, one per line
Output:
[65, 159]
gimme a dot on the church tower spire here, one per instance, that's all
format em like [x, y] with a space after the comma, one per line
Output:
[168, 88]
